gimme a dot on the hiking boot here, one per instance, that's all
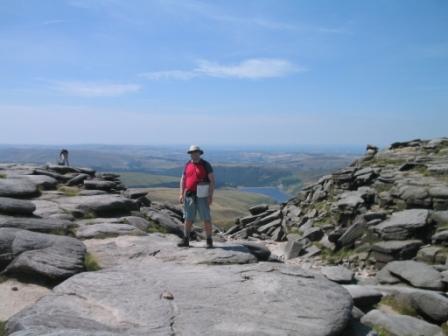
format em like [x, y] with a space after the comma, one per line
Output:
[209, 243]
[185, 242]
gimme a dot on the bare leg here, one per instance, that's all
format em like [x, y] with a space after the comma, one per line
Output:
[208, 228]
[187, 228]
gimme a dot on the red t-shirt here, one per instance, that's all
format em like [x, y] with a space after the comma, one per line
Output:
[195, 172]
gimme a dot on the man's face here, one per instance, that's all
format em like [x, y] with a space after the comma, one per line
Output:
[195, 156]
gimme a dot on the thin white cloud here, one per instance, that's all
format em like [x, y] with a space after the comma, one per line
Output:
[92, 89]
[170, 74]
[250, 69]
[255, 68]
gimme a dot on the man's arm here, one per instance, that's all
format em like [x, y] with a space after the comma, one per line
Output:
[181, 189]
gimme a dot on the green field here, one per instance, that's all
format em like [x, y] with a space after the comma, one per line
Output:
[143, 180]
[228, 203]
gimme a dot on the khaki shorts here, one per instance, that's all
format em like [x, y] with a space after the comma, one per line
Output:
[193, 205]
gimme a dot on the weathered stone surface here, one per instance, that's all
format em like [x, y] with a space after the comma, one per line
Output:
[98, 205]
[92, 192]
[353, 232]
[440, 237]
[416, 273]
[386, 251]
[258, 209]
[136, 221]
[78, 179]
[99, 184]
[17, 187]
[339, 274]
[404, 224]
[293, 249]
[121, 250]
[431, 255]
[42, 181]
[131, 301]
[415, 196]
[170, 224]
[13, 206]
[260, 251]
[431, 305]
[400, 325]
[62, 169]
[313, 234]
[40, 256]
[105, 230]
[45, 225]
[267, 226]
[16, 295]
[364, 297]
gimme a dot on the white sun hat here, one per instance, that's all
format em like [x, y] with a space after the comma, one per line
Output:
[194, 148]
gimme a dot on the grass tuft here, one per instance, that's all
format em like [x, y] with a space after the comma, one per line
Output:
[90, 263]
[69, 191]
[399, 306]
[2, 328]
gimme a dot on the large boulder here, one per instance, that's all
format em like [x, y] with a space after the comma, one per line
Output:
[386, 251]
[97, 205]
[37, 256]
[17, 187]
[43, 181]
[415, 273]
[169, 223]
[339, 274]
[97, 184]
[364, 297]
[13, 206]
[400, 325]
[440, 237]
[404, 225]
[164, 298]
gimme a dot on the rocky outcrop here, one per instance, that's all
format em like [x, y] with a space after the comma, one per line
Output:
[385, 218]
[38, 256]
[112, 255]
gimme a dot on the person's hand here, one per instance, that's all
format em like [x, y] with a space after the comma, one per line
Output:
[181, 198]
[210, 199]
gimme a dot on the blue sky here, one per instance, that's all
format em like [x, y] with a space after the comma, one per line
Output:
[222, 72]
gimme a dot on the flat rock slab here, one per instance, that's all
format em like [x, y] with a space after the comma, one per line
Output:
[17, 187]
[43, 181]
[18, 296]
[400, 325]
[415, 273]
[38, 256]
[339, 274]
[120, 250]
[97, 205]
[104, 230]
[45, 225]
[403, 224]
[364, 297]
[151, 297]
[13, 206]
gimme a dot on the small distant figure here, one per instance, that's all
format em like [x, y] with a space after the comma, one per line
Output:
[63, 158]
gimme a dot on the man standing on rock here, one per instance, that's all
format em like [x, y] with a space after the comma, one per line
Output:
[196, 194]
